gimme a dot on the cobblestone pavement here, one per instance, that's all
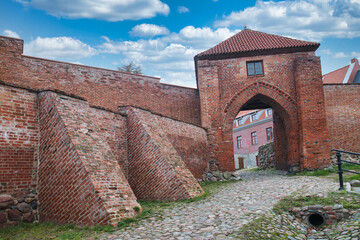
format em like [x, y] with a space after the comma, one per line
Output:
[221, 214]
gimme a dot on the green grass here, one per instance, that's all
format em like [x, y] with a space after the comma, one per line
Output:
[52, 231]
[333, 172]
[151, 209]
[348, 200]
[351, 176]
[254, 229]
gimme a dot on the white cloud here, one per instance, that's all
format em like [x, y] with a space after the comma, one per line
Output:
[327, 51]
[304, 19]
[109, 10]
[340, 55]
[10, 33]
[59, 48]
[148, 30]
[355, 54]
[200, 38]
[183, 9]
[171, 57]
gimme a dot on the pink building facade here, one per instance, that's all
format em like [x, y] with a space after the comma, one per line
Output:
[251, 129]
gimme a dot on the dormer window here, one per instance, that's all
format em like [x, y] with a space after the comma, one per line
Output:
[255, 68]
[253, 117]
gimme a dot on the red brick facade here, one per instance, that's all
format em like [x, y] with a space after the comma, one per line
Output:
[91, 141]
[19, 137]
[291, 85]
[343, 115]
[156, 170]
[100, 87]
[80, 180]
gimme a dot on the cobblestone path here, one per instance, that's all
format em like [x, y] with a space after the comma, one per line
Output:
[226, 211]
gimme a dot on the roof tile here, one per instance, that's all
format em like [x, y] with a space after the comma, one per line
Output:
[248, 41]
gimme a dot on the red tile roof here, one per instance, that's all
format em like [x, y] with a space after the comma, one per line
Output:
[245, 112]
[336, 76]
[249, 42]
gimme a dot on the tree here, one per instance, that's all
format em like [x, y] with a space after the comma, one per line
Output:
[131, 68]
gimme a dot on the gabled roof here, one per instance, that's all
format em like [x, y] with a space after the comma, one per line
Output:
[336, 76]
[245, 112]
[249, 43]
[347, 74]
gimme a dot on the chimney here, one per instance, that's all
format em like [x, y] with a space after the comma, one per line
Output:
[355, 60]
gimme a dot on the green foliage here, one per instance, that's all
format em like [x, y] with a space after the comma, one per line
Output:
[131, 68]
[137, 209]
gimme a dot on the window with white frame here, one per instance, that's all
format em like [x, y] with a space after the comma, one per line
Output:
[253, 138]
[269, 134]
[239, 142]
[255, 68]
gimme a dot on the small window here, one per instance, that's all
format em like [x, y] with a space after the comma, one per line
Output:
[239, 121]
[254, 68]
[253, 117]
[253, 138]
[269, 134]
[239, 142]
[269, 112]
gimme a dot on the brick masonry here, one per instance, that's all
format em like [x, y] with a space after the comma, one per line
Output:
[100, 87]
[156, 170]
[343, 115]
[291, 85]
[19, 138]
[80, 180]
[88, 142]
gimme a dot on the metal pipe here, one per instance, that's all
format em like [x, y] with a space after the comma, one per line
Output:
[340, 171]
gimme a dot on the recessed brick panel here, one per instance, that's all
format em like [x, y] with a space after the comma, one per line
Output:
[19, 135]
[342, 103]
[156, 170]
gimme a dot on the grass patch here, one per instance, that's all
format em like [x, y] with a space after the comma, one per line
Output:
[52, 231]
[328, 172]
[348, 200]
[263, 227]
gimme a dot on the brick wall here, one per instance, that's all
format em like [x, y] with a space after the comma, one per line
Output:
[19, 134]
[156, 170]
[100, 87]
[342, 104]
[79, 179]
[225, 88]
[189, 141]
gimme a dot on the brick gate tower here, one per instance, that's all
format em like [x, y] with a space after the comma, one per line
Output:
[253, 70]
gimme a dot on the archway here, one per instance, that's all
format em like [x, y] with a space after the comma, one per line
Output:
[286, 136]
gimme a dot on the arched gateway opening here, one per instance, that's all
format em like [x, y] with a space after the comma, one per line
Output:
[255, 70]
[264, 96]
[253, 136]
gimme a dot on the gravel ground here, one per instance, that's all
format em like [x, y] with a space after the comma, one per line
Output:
[224, 213]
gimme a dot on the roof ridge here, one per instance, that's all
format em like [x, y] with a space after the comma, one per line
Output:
[248, 42]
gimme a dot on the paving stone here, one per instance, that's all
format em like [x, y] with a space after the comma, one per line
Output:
[222, 214]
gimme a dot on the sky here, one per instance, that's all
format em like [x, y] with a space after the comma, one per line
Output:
[163, 36]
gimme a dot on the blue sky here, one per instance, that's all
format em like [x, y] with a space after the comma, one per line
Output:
[162, 36]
